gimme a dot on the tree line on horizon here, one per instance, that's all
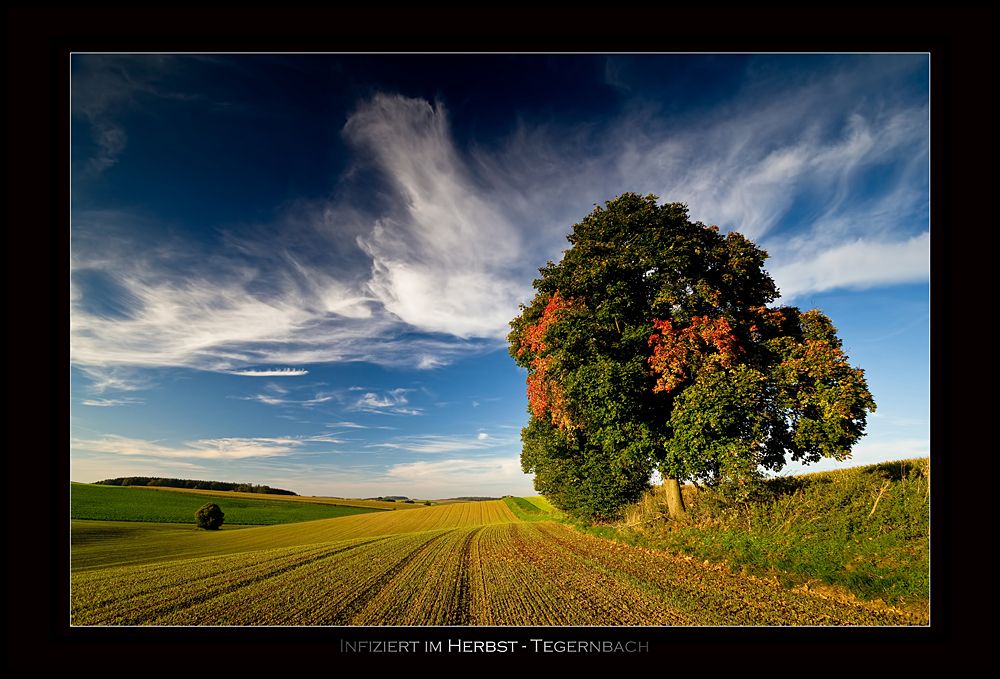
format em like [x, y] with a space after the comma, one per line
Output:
[194, 485]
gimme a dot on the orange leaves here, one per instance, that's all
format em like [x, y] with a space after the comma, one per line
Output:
[545, 393]
[534, 340]
[705, 346]
[545, 396]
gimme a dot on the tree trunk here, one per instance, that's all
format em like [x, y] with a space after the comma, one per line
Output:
[675, 501]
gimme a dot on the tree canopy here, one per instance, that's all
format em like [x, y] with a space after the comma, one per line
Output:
[652, 345]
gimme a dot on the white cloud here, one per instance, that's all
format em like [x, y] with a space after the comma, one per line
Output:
[321, 438]
[270, 400]
[208, 449]
[441, 262]
[461, 233]
[747, 167]
[389, 402]
[284, 372]
[105, 402]
[216, 320]
[455, 477]
[441, 444]
[856, 265]
[115, 377]
[276, 388]
[238, 448]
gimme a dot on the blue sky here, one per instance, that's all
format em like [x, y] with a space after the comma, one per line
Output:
[299, 270]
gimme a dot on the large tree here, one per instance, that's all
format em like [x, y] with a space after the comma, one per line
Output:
[651, 345]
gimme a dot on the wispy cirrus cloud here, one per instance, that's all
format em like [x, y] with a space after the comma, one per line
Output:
[222, 320]
[856, 265]
[435, 271]
[106, 402]
[442, 444]
[114, 377]
[217, 320]
[281, 372]
[219, 449]
[238, 448]
[321, 438]
[805, 171]
[442, 260]
[209, 449]
[393, 402]
[270, 400]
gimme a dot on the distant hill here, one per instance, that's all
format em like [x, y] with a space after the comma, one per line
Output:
[196, 485]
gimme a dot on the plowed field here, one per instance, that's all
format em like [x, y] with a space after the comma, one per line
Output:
[482, 568]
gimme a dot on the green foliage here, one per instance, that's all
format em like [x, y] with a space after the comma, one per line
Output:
[650, 346]
[209, 516]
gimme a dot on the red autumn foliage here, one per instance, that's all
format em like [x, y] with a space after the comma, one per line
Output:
[545, 394]
[708, 344]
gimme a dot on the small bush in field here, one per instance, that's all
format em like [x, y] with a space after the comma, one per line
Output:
[209, 516]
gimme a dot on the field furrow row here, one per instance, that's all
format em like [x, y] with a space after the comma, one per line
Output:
[327, 592]
[145, 594]
[500, 573]
[709, 596]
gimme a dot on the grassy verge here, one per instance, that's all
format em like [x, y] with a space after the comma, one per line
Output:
[863, 530]
[535, 509]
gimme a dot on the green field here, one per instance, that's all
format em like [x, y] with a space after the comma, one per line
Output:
[116, 503]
